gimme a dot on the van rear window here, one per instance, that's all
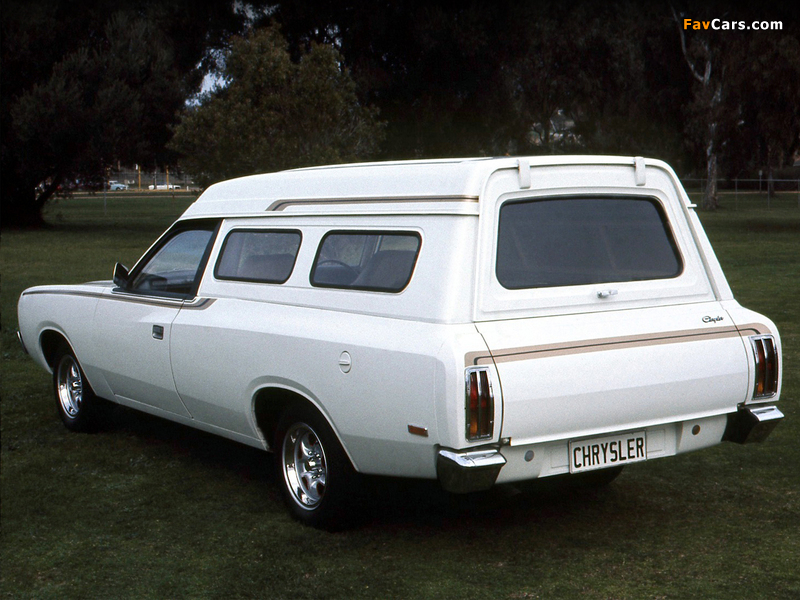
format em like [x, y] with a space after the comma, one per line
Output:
[584, 240]
[376, 261]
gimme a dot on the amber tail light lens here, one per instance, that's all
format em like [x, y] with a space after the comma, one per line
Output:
[766, 372]
[479, 404]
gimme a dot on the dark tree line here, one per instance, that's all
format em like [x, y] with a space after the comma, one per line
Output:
[471, 78]
[109, 81]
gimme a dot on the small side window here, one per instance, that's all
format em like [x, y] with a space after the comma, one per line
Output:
[263, 256]
[375, 261]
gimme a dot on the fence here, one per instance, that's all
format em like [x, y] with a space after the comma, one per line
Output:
[143, 179]
[747, 186]
[155, 177]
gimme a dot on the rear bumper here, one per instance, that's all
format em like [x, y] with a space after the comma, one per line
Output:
[751, 424]
[462, 472]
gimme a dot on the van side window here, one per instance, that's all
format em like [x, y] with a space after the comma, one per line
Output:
[258, 255]
[376, 261]
[584, 240]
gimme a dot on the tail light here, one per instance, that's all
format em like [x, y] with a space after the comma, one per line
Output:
[479, 404]
[766, 359]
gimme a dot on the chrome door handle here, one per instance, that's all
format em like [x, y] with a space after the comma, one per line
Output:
[158, 332]
[606, 293]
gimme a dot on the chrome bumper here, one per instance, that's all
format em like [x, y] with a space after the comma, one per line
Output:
[751, 424]
[461, 472]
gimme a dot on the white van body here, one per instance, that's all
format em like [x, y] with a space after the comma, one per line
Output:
[512, 348]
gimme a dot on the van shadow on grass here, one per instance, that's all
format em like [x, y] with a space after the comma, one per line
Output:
[377, 502]
[188, 444]
[393, 502]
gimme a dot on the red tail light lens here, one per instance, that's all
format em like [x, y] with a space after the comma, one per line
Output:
[479, 404]
[765, 355]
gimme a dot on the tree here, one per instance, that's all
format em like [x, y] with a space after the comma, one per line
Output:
[273, 113]
[586, 61]
[766, 103]
[705, 56]
[472, 78]
[747, 83]
[432, 68]
[85, 86]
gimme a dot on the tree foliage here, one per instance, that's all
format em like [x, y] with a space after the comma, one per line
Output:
[746, 85]
[87, 85]
[274, 113]
[469, 78]
[479, 78]
[766, 102]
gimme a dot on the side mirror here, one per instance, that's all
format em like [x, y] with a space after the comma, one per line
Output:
[120, 275]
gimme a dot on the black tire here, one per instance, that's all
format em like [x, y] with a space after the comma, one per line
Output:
[77, 405]
[313, 470]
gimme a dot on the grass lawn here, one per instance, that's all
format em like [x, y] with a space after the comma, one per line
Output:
[149, 509]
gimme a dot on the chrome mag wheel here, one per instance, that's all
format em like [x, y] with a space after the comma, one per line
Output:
[305, 468]
[69, 386]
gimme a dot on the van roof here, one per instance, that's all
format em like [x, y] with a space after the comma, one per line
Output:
[421, 186]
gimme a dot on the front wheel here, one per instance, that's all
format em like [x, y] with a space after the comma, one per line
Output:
[314, 472]
[77, 405]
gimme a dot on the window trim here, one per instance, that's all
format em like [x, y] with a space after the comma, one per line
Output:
[212, 225]
[366, 232]
[221, 253]
[658, 205]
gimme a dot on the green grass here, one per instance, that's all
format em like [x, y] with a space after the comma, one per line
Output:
[148, 509]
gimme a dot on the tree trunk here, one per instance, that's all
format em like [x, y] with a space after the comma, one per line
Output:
[22, 204]
[710, 96]
[770, 184]
[710, 201]
[770, 178]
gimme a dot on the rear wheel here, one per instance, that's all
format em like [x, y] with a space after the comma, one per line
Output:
[313, 469]
[77, 405]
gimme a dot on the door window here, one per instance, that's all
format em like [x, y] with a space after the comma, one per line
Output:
[175, 266]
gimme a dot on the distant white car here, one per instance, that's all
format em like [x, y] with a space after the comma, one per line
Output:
[163, 186]
[473, 321]
[115, 186]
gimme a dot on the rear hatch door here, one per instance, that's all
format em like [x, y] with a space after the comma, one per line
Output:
[587, 374]
[599, 300]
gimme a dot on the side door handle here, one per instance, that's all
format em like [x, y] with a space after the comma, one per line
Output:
[606, 293]
[158, 332]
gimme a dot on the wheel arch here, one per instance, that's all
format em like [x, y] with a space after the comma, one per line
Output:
[269, 403]
[49, 342]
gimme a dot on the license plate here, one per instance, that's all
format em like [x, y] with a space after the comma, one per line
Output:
[607, 451]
